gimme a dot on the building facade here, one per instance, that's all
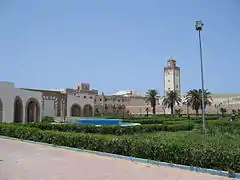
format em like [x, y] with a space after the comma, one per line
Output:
[68, 102]
[54, 103]
[19, 105]
[81, 101]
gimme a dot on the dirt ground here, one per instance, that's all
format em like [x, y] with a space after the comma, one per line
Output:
[25, 161]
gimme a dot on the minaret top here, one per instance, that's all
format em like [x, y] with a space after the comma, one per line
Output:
[171, 62]
[171, 59]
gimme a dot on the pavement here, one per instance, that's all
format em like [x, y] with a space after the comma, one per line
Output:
[26, 161]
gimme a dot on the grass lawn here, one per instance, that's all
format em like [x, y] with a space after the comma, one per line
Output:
[184, 137]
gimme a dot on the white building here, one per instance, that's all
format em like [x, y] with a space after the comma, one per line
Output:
[80, 101]
[126, 93]
[172, 77]
[68, 102]
[19, 105]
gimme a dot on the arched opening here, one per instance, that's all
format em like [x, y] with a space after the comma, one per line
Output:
[1, 111]
[18, 110]
[32, 110]
[87, 110]
[76, 110]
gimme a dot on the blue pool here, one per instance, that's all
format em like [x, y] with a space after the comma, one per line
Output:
[103, 121]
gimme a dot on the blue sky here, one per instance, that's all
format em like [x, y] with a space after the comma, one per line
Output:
[119, 44]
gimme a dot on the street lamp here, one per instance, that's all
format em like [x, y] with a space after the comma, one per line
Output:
[199, 26]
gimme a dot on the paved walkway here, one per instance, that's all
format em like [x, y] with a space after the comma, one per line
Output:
[25, 161]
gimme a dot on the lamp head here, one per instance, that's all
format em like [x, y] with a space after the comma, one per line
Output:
[199, 25]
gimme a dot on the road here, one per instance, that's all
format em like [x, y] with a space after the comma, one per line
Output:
[26, 161]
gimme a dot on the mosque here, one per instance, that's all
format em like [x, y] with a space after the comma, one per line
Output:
[22, 105]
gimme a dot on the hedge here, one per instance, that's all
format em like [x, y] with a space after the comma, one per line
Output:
[158, 121]
[166, 118]
[222, 126]
[193, 153]
[144, 121]
[116, 130]
[159, 117]
[215, 127]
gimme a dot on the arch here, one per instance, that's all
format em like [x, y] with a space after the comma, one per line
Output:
[1, 110]
[32, 110]
[87, 110]
[76, 110]
[18, 110]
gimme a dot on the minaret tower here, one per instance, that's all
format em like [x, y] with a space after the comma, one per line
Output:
[172, 77]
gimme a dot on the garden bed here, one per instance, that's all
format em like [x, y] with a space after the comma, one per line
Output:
[205, 152]
[112, 129]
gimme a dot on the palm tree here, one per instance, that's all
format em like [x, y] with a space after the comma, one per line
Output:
[223, 110]
[194, 99]
[151, 98]
[171, 99]
[123, 109]
[114, 108]
[147, 111]
[178, 112]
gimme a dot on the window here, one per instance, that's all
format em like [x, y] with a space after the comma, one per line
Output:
[176, 86]
[100, 99]
[90, 97]
[85, 97]
[168, 80]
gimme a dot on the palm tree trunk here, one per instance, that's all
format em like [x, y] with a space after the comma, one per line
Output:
[196, 112]
[188, 113]
[154, 110]
[172, 110]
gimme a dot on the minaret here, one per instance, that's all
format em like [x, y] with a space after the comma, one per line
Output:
[172, 77]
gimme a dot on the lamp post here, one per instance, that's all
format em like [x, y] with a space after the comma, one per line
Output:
[199, 26]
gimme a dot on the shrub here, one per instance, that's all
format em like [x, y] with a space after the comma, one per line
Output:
[144, 121]
[224, 127]
[47, 119]
[116, 130]
[166, 118]
[207, 154]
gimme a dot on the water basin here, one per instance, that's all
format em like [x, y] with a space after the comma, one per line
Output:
[103, 121]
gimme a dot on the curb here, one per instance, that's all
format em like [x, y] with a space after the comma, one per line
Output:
[140, 160]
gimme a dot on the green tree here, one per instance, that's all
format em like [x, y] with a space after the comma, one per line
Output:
[178, 112]
[147, 111]
[152, 98]
[223, 111]
[171, 99]
[194, 99]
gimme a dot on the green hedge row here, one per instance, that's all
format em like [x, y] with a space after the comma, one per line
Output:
[166, 121]
[166, 118]
[144, 121]
[157, 121]
[202, 154]
[158, 117]
[215, 127]
[115, 130]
